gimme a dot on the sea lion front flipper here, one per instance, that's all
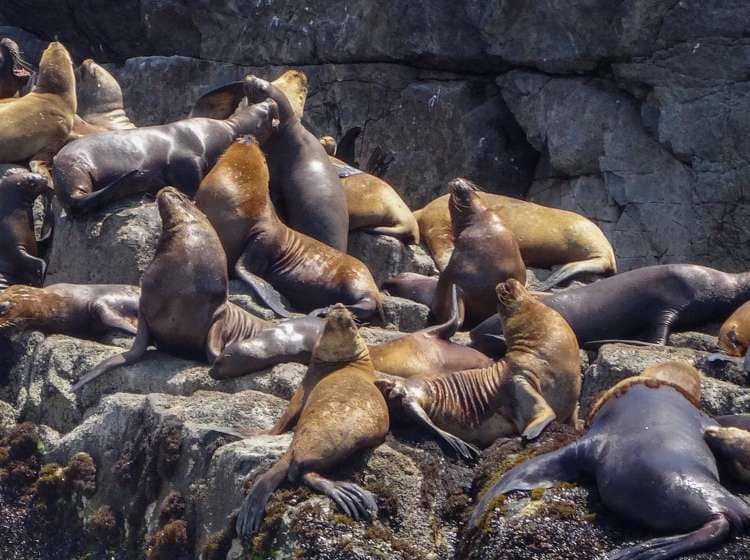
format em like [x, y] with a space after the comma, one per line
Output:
[659, 332]
[265, 292]
[253, 507]
[531, 413]
[219, 103]
[712, 533]
[291, 414]
[242, 433]
[136, 351]
[353, 500]
[563, 465]
[36, 268]
[732, 445]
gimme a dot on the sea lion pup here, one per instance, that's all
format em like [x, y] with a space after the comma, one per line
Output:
[305, 187]
[83, 311]
[645, 449]
[100, 101]
[92, 171]
[14, 70]
[546, 237]
[36, 125]
[336, 412]
[485, 254]
[183, 307]
[538, 381]
[19, 255]
[374, 206]
[309, 273]
[643, 304]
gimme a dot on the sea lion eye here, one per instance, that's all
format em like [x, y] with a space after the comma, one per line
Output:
[5, 307]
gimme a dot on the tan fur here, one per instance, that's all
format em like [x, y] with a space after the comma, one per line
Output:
[294, 85]
[734, 335]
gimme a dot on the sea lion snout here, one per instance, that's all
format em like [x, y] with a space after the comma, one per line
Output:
[340, 340]
[461, 187]
[509, 293]
[256, 89]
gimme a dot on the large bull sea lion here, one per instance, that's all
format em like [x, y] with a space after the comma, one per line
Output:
[538, 381]
[94, 170]
[546, 237]
[336, 411]
[646, 449]
[645, 304]
[309, 273]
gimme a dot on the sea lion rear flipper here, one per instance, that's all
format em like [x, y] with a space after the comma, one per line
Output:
[712, 533]
[35, 268]
[253, 506]
[450, 326]
[219, 103]
[353, 500]
[102, 197]
[563, 465]
[136, 351]
[732, 445]
[598, 265]
[265, 292]
[531, 413]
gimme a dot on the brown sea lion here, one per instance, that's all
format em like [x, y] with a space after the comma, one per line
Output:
[546, 237]
[305, 187]
[94, 170]
[83, 311]
[485, 254]
[183, 307]
[100, 101]
[310, 274]
[538, 381]
[19, 255]
[646, 450]
[374, 206]
[734, 335]
[36, 125]
[14, 70]
[336, 412]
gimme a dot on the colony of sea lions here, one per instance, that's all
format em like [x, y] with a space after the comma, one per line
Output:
[245, 189]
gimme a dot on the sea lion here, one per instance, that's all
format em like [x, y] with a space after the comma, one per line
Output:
[412, 285]
[538, 381]
[19, 255]
[485, 254]
[374, 206]
[336, 412]
[734, 335]
[83, 311]
[646, 448]
[546, 237]
[221, 102]
[183, 307]
[100, 101]
[14, 70]
[644, 304]
[94, 170]
[309, 273]
[305, 187]
[36, 125]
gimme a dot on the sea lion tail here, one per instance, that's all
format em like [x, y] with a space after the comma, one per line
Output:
[262, 289]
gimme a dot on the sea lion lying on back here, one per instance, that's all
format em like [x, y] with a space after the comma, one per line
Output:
[336, 411]
[374, 206]
[92, 171]
[309, 273]
[14, 70]
[538, 381]
[83, 311]
[546, 237]
[646, 449]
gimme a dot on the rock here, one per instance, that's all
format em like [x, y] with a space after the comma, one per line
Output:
[404, 314]
[386, 256]
[7, 416]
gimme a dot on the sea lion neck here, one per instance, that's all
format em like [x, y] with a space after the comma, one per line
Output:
[463, 211]
[56, 74]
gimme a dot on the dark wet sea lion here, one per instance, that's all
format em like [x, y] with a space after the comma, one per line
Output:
[546, 237]
[413, 286]
[83, 311]
[19, 256]
[100, 101]
[309, 273]
[305, 187]
[646, 303]
[538, 381]
[94, 170]
[183, 308]
[374, 206]
[646, 449]
[36, 125]
[485, 253]
[336, 411]
[14, 70]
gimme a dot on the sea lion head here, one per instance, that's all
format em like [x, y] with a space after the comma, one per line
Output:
[340, 340]
[175, 208]
[679, 374]
[17, 304]
[329, 143]
[97, 89]
[56, 74]
[12, 59]
[294, 85]
[510, 295]
[27, 185]
[733, 339]
[464, 203]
